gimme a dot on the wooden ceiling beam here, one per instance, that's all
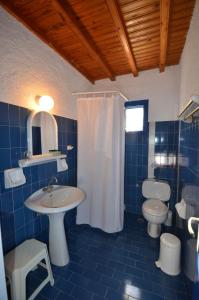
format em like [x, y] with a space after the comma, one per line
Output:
[164, 30]
[41, 35]
[104, 39]
[66, 11]
[123, 35]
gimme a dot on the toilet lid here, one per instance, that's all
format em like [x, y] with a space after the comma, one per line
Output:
[155, 207]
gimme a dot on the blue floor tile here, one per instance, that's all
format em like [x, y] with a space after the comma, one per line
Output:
[97, 288]
[83, 294]
[79, 280]
[110, 282]
[92, 274]
[63, 296]
[40, 297]
[113, 295]
[105, 270]
[64, 285]
[112, 267]
[62, 272]
[50, 292]
[98, 298]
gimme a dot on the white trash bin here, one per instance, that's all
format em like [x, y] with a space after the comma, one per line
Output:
[169, 259]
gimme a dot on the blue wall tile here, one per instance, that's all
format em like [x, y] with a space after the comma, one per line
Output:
[19, 218]
[17, 222]
[14, 117]
[15, 137]
[4, 120]
[18, 198]
[7, 205]
[166, 142]
[5, 159]
[4, 137]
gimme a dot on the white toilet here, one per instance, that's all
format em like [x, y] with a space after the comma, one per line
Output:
[154, 210]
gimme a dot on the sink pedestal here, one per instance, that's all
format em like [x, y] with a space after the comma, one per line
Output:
[57, 240]
[55, 204]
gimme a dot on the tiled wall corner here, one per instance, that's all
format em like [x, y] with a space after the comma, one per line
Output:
[166, 153]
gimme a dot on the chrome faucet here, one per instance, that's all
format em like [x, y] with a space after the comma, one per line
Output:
[49, 187]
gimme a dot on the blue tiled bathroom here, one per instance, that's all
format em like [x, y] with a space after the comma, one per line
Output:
[99, 150]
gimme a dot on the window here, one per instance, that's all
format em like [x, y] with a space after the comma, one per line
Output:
[134, 118]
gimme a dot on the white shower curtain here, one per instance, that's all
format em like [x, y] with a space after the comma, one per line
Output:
[101, 162]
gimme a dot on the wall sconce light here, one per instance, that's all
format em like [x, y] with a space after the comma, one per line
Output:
[44, 102]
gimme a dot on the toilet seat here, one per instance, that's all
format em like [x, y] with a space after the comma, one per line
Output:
[156, 192]
[154, 207]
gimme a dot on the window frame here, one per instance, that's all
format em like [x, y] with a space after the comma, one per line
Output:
[134, 104]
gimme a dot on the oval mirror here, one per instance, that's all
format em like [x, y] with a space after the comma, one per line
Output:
[42, 133]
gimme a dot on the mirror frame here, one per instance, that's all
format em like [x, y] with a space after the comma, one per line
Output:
[29, 132]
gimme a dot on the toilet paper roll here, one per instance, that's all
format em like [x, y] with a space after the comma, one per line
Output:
[184, 210]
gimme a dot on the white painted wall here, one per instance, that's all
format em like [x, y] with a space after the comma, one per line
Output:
[162, 90]
[189, 64]
[28, 67]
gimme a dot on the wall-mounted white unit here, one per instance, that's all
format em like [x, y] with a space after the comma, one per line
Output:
[191, 109]
[14, 177]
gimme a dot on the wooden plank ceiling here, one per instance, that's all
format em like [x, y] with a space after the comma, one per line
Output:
[107, 38]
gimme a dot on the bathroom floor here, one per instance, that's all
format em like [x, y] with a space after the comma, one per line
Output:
[112, 267]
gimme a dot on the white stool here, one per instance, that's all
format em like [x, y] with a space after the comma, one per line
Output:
[169, 259]
[20, 261]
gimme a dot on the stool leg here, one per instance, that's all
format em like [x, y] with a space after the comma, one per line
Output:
[18, 287]
[48, 266]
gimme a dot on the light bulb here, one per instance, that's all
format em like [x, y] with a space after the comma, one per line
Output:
[45, 102]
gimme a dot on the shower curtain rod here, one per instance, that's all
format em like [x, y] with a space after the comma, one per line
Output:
[103, 92]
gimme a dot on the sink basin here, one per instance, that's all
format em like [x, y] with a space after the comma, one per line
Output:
[55, 204]
[60, 199]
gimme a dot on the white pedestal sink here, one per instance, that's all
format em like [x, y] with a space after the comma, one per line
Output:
[55, 204]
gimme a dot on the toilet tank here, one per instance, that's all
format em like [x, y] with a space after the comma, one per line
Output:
[156, 189]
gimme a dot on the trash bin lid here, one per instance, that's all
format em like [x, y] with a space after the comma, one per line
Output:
[170, 240]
